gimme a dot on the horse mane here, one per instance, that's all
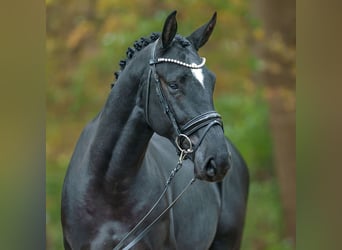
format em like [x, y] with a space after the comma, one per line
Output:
[139, 45]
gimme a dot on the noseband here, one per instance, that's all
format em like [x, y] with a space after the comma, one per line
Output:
[207, 119]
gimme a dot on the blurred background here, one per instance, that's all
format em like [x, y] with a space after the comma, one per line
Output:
[252, 51]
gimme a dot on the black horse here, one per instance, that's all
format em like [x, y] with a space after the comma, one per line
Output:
[161, 105]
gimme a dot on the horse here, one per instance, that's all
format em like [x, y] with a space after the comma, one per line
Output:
[159, 118]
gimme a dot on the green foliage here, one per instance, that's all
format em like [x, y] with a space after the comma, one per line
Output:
[54, 181]
[246, 124]
[264, 218]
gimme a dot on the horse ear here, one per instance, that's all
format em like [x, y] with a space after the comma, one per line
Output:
[169, 30]
[200, 36]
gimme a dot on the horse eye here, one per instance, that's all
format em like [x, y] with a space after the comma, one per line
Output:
[173, 85]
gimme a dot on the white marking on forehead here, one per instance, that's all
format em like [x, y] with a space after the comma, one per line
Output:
[198, 74]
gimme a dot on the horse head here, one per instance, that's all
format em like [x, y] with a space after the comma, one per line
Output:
[179, 99]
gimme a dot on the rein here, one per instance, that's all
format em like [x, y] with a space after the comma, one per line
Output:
[179, 165]
[183, 142]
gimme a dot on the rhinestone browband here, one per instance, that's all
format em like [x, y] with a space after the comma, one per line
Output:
[168, 60]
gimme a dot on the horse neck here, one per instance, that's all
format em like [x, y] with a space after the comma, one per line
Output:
[122, 134]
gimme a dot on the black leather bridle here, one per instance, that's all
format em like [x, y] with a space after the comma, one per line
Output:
[207, 119]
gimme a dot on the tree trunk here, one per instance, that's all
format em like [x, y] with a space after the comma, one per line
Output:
[275, 46]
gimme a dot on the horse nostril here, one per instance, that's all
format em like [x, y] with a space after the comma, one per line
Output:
[211, 168]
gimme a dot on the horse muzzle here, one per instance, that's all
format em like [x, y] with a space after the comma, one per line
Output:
[203, 141]
[212, 168]
[212, 157]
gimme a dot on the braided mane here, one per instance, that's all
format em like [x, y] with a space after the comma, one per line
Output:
[139, 45]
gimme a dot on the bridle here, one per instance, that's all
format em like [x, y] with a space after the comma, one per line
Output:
[205, 120]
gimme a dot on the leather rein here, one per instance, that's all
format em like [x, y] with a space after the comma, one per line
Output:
[184, 144]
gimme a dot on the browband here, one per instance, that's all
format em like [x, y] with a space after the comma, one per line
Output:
[169, 60]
